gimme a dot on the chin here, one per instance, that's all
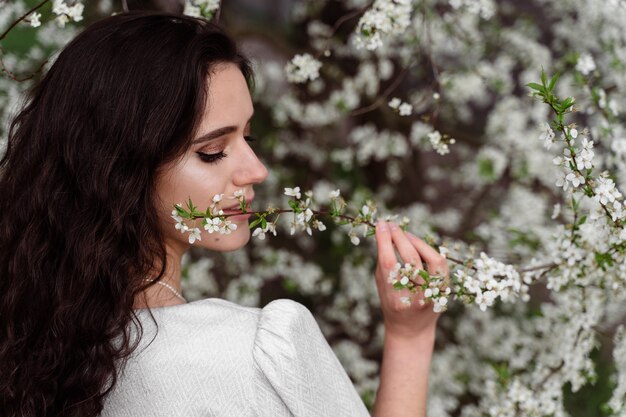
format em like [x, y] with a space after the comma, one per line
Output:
[226, 243]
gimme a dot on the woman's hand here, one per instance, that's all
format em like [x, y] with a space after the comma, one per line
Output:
[400, 320]
[409, 330]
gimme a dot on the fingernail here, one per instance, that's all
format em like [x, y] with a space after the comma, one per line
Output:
[382, 226]
[393, 226]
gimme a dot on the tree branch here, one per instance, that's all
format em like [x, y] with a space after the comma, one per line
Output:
[22, 18]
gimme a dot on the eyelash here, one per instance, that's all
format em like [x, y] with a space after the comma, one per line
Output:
[215, 157]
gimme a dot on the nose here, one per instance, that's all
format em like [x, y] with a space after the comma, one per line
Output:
[252, 170]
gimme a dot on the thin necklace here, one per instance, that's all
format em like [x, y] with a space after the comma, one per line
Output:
[169, 287]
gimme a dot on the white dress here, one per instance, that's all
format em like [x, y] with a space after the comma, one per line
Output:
[215, 358]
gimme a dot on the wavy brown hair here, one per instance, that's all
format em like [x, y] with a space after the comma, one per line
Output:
[78, 225]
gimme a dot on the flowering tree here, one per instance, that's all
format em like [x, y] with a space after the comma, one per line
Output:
[436, 112]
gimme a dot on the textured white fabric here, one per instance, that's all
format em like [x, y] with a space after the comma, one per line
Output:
[215, 358]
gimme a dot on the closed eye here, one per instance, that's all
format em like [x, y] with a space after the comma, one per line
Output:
[213, 158]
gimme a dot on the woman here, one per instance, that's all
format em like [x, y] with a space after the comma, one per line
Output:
[140, 111]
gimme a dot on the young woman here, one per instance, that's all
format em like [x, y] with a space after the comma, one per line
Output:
[140, 111]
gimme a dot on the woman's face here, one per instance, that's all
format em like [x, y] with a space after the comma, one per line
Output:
[233, 165]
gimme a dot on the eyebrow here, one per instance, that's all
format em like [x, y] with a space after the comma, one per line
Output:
[217, 133]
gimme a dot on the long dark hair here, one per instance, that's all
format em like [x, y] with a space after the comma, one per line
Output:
[78, 225]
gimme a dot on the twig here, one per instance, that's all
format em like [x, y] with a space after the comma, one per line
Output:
[4, 34]
[340, 22]
[538, 267]
[349, 16]
[218, 12]
[318, 212]
[11, 75]
[383, 97]
[352, 219]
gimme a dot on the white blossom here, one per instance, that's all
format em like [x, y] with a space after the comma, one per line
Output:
[34, 19]
[605, 191]
[354, 238]
[293, 192]
[180, 223]
[437, 143]
[384, 18]
[405, 109]
[547, 136]
[213, 225]
[394, 103]
[334, 194]
[194, 234]
[302, 67]
[66, 13]
[259, 232]
[585, 64]
[198, 8]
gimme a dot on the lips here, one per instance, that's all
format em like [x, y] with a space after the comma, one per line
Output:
[235, 208]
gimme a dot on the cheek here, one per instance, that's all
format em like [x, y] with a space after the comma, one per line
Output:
[196, 180]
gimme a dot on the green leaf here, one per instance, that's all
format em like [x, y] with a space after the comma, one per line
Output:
[553, 81]
[544, 78]
[535, 86]
[398, 286]
[603, 259]
[181, 211]
[254, 223]
[567, 103]
[190, 205]
[504, 374]
[263, 223]
[293, 204]
[486, 169]
[289, 285]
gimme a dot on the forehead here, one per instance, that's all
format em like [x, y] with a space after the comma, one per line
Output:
[228, 98]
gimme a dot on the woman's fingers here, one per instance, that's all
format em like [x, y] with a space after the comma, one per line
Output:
[407, 250]
[436, 263]
[386, 255]
[388, 236]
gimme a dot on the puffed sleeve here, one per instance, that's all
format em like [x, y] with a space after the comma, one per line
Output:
[295, 361]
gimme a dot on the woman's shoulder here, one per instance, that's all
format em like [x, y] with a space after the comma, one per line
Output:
[288, 327]
[221, 328]
[208, 322]
[207, 309]
[281, 317]
[292, 355]
[282, 325]
[281, 305]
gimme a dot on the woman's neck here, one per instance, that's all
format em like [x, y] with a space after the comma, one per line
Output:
[160, 295]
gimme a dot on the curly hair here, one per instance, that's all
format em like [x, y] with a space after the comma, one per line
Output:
[79, 229]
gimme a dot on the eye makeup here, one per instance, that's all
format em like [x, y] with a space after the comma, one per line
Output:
[213, 158]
